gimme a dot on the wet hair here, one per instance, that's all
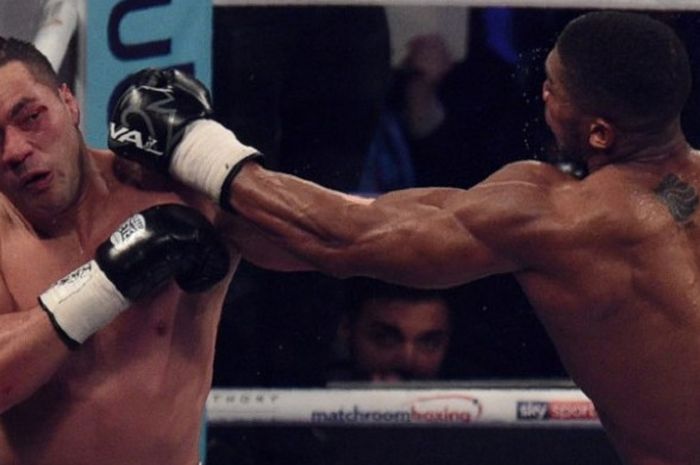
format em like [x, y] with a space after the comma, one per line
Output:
[359, 291]
[12, 49]
[625, 66]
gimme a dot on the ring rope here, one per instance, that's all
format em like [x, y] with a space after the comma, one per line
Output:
[608, 4]
[468, 406]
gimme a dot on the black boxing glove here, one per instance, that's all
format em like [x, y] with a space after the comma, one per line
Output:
[150, 248]
[161, 122]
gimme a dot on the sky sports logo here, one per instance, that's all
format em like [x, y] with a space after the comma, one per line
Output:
[582, 410]
[433, 410]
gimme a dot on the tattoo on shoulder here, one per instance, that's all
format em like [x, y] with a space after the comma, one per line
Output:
[680, 198]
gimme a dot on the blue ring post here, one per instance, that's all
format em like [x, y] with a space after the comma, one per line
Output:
[203, 439]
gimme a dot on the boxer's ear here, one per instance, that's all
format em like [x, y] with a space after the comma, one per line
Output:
[601, 134]
[70, 102]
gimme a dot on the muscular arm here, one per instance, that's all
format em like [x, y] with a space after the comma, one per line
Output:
[256, 247]
[30, 351]
[429, 238]
[418, 237]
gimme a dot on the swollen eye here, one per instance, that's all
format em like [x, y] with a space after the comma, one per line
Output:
[29, 120]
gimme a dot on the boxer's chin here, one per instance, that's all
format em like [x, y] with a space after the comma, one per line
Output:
[132, 173]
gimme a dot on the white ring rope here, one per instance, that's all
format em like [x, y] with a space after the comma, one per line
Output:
[614, 4]
[399, 406]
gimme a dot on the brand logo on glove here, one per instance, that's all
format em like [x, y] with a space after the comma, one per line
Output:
[124, 135]
[72, 283]
[126, 232]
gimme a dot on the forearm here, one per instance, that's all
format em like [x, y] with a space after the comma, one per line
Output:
[30, 353]
[309, 221]
[404, 237]
[255, 246]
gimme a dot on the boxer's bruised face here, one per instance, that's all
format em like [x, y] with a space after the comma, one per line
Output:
[392, 340]
[40, 144]
[563, 118]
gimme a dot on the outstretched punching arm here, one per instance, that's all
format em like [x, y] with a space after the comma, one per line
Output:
[420, 237]
[433, 237]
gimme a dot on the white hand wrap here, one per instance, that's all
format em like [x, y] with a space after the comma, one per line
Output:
[206, 156]
[83, 302]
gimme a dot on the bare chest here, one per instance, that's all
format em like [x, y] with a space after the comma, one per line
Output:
[30, 264]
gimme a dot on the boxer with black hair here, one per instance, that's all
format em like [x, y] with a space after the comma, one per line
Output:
[610, 261]
[110, 294]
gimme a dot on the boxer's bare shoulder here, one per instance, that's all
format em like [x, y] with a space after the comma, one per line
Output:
[146, 187]
[530, 188]
[532, 171]
[10, 217]
[521, 200]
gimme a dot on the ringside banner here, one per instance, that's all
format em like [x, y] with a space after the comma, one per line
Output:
[128, 35]
[403, 407]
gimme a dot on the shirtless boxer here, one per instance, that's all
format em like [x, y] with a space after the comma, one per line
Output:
[77, 388]
[610, 262]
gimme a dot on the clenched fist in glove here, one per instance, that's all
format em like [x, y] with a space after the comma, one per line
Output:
[149, 249]
[162, 122]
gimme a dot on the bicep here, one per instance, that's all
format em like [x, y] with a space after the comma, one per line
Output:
[447, 237]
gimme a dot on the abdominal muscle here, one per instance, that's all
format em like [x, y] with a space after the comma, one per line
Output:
[134, 393]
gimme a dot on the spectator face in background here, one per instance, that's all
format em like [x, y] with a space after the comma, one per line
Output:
[392, 339]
